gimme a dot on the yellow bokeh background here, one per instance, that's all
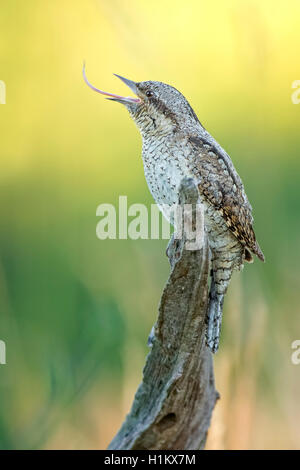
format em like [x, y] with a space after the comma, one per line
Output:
[76, 311]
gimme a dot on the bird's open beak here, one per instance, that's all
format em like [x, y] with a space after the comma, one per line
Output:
[112, 96]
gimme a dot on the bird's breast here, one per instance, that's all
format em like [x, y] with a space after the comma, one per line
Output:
[165, 165]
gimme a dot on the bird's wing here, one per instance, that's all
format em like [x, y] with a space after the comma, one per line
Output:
[221, 186]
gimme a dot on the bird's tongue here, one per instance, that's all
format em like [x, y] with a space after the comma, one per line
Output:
[112, 96]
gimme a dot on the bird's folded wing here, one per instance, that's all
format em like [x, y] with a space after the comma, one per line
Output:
[221, 186]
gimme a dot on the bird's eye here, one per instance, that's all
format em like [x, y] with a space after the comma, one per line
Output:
[149, 93]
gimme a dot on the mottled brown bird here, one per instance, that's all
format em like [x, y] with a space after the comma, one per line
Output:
[175, 145]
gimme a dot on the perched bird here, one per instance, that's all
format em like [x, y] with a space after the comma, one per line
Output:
[175, 145]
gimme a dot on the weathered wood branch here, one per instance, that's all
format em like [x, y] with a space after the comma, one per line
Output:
[173, 405]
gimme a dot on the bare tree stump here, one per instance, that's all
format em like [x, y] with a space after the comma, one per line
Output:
[173, 405]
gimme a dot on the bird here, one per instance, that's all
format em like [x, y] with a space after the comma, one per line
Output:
[176, 145]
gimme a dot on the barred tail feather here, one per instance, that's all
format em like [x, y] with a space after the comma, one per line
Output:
[214, 318]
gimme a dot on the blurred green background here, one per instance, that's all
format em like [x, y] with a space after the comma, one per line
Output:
[76, 311]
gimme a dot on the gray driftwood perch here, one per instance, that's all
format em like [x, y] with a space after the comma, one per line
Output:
[173, 405]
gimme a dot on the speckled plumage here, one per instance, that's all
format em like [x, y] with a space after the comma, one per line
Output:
[175, 144]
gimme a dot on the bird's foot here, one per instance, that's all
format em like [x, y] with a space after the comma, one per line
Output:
[151, 337]
[173, 249]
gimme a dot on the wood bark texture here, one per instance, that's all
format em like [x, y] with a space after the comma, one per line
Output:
[173, 405]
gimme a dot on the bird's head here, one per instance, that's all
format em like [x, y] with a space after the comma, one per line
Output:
[157, 108]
